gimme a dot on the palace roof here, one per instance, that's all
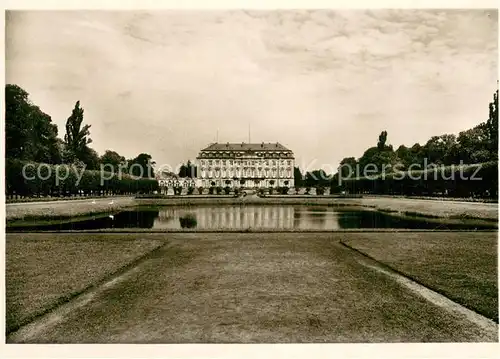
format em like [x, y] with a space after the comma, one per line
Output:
[246, 147]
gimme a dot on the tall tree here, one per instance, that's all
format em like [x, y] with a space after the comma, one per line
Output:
[188, 170]
[17, 128]
[382, 139]
[29, 132]
[348, 167]
[380, 158]
[77, 137]
[473, 145]
[142, 166]
[298, 177]
[492, 127]
[441, 149]
[91, 159]
[112, 158]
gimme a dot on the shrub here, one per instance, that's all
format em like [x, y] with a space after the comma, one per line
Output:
[283, 190]
[190, 190]
[227, 189]
[320, 191]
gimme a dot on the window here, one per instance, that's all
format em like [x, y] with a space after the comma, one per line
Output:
[210, 162]
[289, 162]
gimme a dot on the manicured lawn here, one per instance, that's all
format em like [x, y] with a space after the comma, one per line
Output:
[44, 270]
[435, 208]
[66, 209]
[240, 287]
[462, 266]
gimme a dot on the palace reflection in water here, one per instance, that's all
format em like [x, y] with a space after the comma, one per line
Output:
[235, 217]
[264, 217]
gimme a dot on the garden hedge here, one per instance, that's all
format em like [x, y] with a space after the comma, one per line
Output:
[31, 184]
[476, 180]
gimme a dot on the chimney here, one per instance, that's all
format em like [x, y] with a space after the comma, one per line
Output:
[262, 145]
[227, 144]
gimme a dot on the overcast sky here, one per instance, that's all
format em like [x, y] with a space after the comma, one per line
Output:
[323, 83]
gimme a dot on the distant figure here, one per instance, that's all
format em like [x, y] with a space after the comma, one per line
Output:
[111, 202]
[93, 202]
[111, 216]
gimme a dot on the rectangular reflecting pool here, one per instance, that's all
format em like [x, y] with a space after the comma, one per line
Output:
[255, 217]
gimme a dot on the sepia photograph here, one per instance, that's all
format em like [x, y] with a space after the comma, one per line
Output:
[196, 176]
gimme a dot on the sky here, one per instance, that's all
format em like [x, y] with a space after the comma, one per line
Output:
[324, 83]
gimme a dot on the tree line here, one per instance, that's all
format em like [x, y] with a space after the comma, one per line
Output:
[31, 137]
[478, 145]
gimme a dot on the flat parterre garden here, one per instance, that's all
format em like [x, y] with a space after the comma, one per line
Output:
[44, 270]
[250, 287]
[462, 266]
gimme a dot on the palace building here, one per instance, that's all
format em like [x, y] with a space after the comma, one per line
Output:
[247, 165]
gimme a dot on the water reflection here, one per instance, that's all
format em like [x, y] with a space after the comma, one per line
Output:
[254, 217]
[188, 221]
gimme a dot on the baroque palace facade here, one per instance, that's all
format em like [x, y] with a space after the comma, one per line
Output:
[248, 165]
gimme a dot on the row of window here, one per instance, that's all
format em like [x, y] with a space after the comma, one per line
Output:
[247, 173]
[245, 163]
[260, 168]
[241, 153]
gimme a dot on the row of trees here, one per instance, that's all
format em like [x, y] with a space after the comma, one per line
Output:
[30, 179]
[476, 180]
[478, 145]
[32, 137]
